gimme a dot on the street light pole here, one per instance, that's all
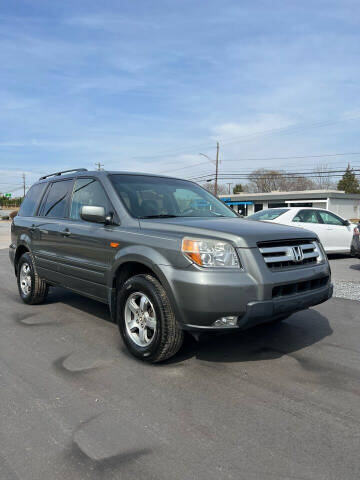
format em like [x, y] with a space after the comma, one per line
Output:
[217, 168]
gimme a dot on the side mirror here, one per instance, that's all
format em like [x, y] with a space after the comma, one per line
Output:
[347, 223]
[93, 214]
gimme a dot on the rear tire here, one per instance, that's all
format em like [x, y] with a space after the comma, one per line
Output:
[146, 320]
[32, 289]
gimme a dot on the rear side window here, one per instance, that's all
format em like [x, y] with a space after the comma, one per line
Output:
[32, 200]
[88, 191]
[56, 201]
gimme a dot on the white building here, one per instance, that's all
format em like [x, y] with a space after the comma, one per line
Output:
[345, 205]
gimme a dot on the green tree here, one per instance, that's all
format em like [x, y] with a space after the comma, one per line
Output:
[238, 188]
[349, 183]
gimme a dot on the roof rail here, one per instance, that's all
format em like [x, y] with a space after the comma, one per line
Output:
[56, 174]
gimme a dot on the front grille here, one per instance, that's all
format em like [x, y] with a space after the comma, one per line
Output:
[289, 254]
[299, 287]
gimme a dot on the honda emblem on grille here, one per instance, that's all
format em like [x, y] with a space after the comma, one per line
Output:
[297, 254]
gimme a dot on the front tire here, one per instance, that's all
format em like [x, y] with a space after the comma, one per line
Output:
[146, 320]
[32, 289]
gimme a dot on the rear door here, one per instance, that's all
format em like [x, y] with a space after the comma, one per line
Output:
[87, 247]
[26, 224]
[53, 211]
[338, 234]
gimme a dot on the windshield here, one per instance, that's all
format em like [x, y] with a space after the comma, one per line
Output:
[159, 197]
[269, 214]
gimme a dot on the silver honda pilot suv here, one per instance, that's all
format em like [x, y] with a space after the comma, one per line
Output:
[164, 254]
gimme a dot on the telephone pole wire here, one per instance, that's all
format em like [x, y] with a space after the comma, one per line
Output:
[217, 168]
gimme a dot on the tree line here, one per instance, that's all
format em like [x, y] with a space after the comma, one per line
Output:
[265, 180]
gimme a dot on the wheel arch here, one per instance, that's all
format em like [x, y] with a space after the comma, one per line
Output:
[20, 250]
[135, 266]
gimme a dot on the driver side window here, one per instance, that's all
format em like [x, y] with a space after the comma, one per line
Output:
[330, 219]
[88, 191]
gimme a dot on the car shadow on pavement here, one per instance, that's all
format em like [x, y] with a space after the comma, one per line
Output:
[356, 266]
[338, 256]
[265, 342]
[87, 305]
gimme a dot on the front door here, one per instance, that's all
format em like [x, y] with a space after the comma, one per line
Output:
[87, 248]
[338, 234]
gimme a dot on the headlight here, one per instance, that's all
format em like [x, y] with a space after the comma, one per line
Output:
[321, 252]
[210, 253]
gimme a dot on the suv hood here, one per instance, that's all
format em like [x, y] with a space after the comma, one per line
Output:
[244, 233]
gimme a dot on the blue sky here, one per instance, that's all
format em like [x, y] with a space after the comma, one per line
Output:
[147, 85]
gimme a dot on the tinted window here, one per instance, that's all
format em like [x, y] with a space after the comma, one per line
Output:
[146, 196]
[56, 201]
[88, 191]
[32, 200]
[330, 218]
[269, 214]
[306, 216]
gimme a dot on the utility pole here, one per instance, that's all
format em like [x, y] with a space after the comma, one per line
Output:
[24, 183]
[99, 165]
[229, 187]
[217, 168]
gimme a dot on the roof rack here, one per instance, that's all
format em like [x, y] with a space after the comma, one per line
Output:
[57, 174]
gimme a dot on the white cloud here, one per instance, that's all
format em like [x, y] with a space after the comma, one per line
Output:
[258, 125]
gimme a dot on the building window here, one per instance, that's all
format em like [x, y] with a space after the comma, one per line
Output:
[277, 205]
[258, 207]
[305, 204]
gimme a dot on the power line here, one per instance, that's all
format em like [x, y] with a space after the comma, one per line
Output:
[272, 176]
[289, 129]
[293, 157]
[285, 173]
[257, 159]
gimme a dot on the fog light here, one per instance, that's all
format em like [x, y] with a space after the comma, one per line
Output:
[226, 322]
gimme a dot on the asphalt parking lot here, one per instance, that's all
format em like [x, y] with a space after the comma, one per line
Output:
[276, 402]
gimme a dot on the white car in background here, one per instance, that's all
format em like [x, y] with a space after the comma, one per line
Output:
[335, 233]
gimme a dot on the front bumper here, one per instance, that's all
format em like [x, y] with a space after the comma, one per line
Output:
[262, 312]
[200, 298]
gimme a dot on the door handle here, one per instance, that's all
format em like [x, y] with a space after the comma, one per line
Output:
[33, 227]
[66, 232]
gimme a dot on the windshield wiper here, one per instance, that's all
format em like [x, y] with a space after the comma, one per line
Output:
[160, 216]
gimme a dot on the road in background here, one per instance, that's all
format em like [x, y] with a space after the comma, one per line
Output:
[274, 403]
